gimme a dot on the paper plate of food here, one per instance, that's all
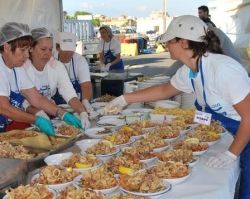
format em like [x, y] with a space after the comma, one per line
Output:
[100, 180]
[120, 140]
[103, 149]
[179, 155]
[24, 191]
[192, 144]
[55, 177]
[144, 157]
[98, 132]
[67, 131]
[143, 184]
[172, 172]
[78, 192]
[127, 165]
[82, 163]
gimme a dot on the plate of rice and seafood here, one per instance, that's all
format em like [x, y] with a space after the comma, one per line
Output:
[30, 191]
[124, 165]
[143, 184]
[55, 177]
[192, 144]
[67, 131]
[81, 193]
[139, 153]
[172, 172]
[179, 155]
[102, 149]
[127, 196]
[82, 163]
[100, 180]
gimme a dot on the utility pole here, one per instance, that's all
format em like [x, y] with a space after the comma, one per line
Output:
[164, 9]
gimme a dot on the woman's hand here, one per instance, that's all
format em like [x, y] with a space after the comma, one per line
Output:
[116, 105]
[45, 125]
[71, 120]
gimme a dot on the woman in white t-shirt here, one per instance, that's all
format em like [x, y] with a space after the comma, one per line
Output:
[220, 83]
[15, 85]
[110, 50]
[48, 74]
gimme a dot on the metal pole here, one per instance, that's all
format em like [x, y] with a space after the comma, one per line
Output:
[164, 15]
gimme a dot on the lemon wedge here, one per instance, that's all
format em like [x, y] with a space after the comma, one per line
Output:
[69, 169]
[213, 134]
[127, 128]
[108, 143]
[112, 139]
[82, 166]
[192, 141]
[126, 170]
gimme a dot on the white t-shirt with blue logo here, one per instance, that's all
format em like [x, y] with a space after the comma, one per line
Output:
[226, 83]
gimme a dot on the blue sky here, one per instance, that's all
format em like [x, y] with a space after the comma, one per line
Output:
[137, 8]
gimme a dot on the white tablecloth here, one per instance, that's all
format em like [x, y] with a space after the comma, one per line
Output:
[205, 182]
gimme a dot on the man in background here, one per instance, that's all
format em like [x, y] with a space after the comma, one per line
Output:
[203, 13]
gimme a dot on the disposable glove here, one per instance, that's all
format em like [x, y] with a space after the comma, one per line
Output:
[71, 120]
[45, 125]
[116, 105]
[87, 106]
[92, 114]
[107, 66]
[222, 160]
[84, 120]
[43, 114]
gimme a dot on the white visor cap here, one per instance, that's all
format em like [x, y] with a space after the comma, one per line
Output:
[186, 27]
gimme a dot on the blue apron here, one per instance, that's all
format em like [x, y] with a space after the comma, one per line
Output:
[109, 57]
[232, 126]
[16, 100]
[58, 98]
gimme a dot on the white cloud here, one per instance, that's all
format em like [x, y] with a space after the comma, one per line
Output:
[142, 8]
[85, 6]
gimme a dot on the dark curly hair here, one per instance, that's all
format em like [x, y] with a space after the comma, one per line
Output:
[211, 44]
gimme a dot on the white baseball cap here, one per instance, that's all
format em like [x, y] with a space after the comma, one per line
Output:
[186, 27]
[67, 41]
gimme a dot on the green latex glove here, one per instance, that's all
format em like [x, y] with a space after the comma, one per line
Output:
[45, 125]
[71, 120]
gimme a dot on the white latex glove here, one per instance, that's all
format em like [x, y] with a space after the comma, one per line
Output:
[107, 66]
[84, 120]
[87, 106]
[222, 160]
[43, 114]
[115, 106]
[92, 114]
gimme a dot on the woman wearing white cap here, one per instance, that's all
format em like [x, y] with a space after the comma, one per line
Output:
[48, 75]
[110, 50]
[15, 85]
[77, 68]
[220, 83]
